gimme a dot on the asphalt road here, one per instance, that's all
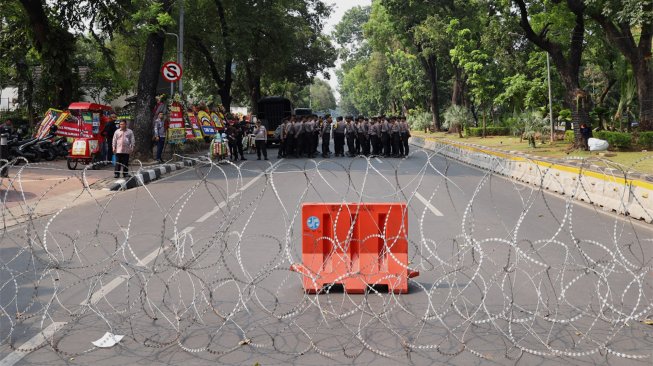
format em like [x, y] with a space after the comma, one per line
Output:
[194, 269]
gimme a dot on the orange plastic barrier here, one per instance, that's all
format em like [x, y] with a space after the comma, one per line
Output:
[355, 245]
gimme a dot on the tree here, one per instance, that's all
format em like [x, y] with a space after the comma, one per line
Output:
[152, 20]
[567, 64]
[618, 19]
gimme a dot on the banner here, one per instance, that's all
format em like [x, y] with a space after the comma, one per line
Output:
[208, 128]
[48, 121]
[219, 123]
[176, 116]
[195, 125]
[176, 136]
[68, 126]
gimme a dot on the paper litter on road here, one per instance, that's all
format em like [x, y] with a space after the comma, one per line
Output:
[108, 340]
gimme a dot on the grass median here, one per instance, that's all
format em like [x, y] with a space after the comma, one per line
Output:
[634, 161]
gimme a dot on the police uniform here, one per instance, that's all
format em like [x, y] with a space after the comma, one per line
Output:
[299, 138]
[397, 145]
[374, 137]
[366, 137]
[339, 137]
[290, 138]
[350, 134]
[326, 138]
[309, 132]
[405, 135]
[385, 136]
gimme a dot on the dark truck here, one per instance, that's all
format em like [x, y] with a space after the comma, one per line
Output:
[271, 112]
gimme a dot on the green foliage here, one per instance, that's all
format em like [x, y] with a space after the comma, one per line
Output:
[570, 136]
[619, 140]
[419, 120]
[489, 131]
[457, 117]
[645, 139]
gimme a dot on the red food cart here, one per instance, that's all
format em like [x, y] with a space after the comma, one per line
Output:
[87, 144]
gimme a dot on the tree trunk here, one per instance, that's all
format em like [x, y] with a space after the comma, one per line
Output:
[644, 77]
[457, 96]
[253, 86]
[432, 71]
[56, 46]
[579, 103]
[145, 98]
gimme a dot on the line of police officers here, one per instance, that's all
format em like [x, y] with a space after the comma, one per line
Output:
[377, 136]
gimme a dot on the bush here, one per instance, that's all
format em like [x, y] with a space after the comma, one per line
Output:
[489, 131]
[646, 139]
[456, 118]
[420, 121]
[569, 136]
[620, 140]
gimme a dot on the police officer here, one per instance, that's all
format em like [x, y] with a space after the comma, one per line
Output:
[350, 134]
[374, 137]
[316, 135]
[405, 134]
[397, 145]
[290, 137]
[326, 137]
[366, 137]
[339, 137]
[385, 136]
[298, 130]
[283, 138]
[309, 131]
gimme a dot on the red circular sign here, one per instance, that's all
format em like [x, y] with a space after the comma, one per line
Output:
[171, 71]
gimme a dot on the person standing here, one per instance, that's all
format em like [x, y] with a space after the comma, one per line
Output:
[385, 136]
[326, 137]
[261, 140]
[123, 145]
[339, 137]
[374, 137]
[299, 138]
[366, 137]
[159, 136]
[405, 135]
[108, 132]
[283, 138]
[309, 132]
[585, 134]
[397, 145]
[350, 134]
[290, 137]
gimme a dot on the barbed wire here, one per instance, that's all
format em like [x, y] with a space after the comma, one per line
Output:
[538, 277]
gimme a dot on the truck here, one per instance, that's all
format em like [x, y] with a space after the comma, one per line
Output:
[271, 113]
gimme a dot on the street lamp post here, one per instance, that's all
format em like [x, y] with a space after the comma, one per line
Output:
[180, 44]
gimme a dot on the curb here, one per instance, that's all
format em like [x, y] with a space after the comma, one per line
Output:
[145, 176]
[608, 188]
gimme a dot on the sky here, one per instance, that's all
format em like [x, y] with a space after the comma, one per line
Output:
[339, 9]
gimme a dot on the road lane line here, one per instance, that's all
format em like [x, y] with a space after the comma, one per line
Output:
[95, 298]
[428, 205]
[379, 160]
[36, 341]
[242, 189]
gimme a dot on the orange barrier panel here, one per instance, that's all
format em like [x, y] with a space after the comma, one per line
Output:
[355, 245]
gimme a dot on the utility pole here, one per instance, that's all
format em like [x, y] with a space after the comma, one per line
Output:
[180, 47]
[548, 71]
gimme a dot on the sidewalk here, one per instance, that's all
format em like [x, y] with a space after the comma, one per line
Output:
[36, 190]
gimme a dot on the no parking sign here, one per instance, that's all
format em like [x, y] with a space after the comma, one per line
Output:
[171, 71]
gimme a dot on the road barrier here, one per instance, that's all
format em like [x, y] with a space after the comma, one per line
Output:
[611, 189]
[356, 245]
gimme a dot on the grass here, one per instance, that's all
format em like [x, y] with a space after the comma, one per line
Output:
[634, 160]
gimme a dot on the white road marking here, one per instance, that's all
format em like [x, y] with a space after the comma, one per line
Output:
[428, 205]
[36, 341]
[242, 189]
[379, 160]
[95, 298]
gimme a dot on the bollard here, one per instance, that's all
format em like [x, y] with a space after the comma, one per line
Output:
[4, 155]
[354, 245]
